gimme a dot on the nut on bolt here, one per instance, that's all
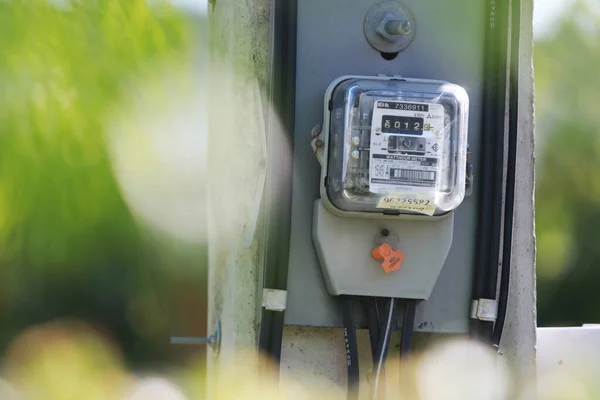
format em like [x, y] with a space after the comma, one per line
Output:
[392, 26]
[389, 26]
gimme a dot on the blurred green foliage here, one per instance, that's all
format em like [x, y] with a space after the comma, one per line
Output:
[62, 73]
[568, 169]
[69, 245]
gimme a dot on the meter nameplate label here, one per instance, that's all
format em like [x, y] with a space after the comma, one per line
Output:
[413, 202]
[406, 146]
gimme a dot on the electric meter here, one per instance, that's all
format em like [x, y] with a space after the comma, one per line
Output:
[394, 146]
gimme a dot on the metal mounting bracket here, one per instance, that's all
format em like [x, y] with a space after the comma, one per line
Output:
[274, 300]
[484, 309]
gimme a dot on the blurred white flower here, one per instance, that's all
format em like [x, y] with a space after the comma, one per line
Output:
[158, 146]
[154, 389]
[461, 370]
[7, 391]
[563, 386]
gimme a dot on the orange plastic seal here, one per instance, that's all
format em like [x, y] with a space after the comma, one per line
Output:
[392, 259]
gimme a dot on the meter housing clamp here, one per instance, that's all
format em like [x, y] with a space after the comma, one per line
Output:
[394, 147]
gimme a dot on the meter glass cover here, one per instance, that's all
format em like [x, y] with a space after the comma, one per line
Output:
[396, 146]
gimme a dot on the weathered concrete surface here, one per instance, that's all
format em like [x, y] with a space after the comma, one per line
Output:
[518, 341]
[239, 40]
[316, 358]
[240, 33]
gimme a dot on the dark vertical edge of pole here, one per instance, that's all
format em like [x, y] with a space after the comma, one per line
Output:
[279, 176]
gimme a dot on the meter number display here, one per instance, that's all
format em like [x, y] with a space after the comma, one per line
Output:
[403, 125]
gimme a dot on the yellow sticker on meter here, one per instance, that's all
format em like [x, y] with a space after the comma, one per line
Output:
[415, 202]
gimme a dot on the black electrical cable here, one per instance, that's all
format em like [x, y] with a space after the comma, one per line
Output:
[351, 347]
[382, 348]
[513, 126]
[498, 159]
[408, 324]
[491, 180]
[278, 235]
[498, 194]
[372, 312]
[484, 172]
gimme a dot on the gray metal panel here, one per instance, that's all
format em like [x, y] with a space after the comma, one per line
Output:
[448, 45]
[344, 250]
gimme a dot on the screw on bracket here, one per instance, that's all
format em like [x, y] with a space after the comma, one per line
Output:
[214, 340]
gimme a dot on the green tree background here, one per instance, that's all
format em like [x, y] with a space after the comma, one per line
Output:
[69, 244]
[567, 72]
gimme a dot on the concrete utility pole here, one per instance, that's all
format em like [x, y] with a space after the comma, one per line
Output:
[239, 39]
[240, 35]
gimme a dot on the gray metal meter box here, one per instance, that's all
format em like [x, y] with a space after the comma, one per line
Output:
[441, 41]
[393, 161]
